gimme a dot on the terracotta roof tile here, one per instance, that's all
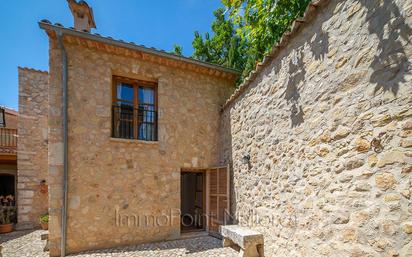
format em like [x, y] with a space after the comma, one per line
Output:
[47, 25]
[31, 69]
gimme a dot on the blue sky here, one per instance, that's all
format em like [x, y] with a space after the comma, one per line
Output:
[154, 23]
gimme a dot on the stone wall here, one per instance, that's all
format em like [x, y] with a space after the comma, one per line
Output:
[109, 176]
[32, 142]
[328, 127]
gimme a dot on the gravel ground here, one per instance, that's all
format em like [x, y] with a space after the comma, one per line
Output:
[28, 243]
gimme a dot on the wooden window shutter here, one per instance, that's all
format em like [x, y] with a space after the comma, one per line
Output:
[218, 198]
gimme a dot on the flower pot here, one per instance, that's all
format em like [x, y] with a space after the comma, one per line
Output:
[44, 188]
[44, 226]
[6, 228]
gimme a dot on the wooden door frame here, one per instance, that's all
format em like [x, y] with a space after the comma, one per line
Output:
[206, 188]
[204, 199]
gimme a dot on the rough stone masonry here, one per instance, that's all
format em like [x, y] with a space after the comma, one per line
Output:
[139, 178]
[328, 127]
[32, 171]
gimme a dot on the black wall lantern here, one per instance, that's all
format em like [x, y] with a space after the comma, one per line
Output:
[246, 159]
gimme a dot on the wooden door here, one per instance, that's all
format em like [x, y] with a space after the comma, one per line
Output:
[199, 201]
[218, 198]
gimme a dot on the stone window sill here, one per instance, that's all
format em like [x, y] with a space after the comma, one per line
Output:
[133, 141]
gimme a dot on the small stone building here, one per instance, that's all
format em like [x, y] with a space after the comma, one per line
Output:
[317, 140]
[128, 129]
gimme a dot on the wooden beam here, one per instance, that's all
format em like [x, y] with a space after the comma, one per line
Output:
[111, 49]
[8, 157]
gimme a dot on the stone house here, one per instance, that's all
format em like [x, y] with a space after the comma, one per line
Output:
[313, 149]
[136, 120]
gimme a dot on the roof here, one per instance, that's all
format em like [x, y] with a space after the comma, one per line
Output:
[309, 14]
[9, 110]
[31, 70]
[58, 28]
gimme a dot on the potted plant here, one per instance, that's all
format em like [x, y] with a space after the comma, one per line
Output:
[44, 221]
[7, 214]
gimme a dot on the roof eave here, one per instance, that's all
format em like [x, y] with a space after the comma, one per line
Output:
[132, 46]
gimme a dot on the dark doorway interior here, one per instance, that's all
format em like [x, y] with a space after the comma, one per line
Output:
[192, 201]
[7, 186]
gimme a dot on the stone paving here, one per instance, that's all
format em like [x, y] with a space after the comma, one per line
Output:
[23, 244]
[28, 244]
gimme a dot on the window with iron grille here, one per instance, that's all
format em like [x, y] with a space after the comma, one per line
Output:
[2, 118]
[134, 110]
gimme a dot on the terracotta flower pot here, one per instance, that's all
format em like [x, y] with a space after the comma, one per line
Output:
[44, 188]
[6, 228]
[44, 226]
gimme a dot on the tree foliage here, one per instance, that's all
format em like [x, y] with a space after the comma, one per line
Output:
[261, 23]
[245, 31]
[224, 47]
[177, 49]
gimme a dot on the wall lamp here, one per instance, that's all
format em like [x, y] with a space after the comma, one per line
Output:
[246, 159]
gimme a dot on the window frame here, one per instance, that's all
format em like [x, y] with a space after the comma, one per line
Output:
[3, 117]
[136, 84]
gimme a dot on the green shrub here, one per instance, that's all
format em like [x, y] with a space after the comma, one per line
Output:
[44, 218]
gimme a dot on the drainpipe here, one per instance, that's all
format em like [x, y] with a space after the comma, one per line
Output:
[65, 159]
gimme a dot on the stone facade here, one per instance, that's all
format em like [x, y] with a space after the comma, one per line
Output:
[108, 176]
[328, 127]
[32, 197]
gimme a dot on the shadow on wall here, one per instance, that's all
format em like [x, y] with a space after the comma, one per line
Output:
[389, 65]
[297, 72]
[320, 45]
[226, 156]
[391, 62]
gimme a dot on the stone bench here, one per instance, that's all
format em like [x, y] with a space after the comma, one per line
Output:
[249, 241]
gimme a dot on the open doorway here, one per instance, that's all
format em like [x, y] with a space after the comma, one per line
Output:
[8, 187]
[192, 195]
